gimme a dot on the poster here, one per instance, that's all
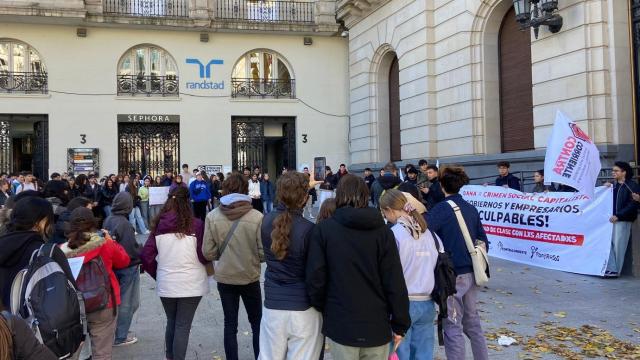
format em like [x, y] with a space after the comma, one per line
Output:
[210, 169]
[562, 231]
[572, 158]
[158, 195]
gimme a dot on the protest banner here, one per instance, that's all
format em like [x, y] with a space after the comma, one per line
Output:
[572, 158]
[210, 169]
[562, 231]
[158, 195]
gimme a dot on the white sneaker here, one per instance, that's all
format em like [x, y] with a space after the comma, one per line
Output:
[147, 232]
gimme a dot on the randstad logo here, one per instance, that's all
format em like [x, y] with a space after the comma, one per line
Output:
[205, 75]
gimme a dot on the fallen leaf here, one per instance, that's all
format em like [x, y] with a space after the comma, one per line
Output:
[560, 314]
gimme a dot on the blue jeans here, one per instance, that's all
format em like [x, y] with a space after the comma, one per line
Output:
[144, 210]
[267, 206]
[418, 342]
[136, 217]
[129, 280]
[107, 211]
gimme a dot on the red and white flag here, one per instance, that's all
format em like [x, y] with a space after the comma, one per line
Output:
[572, 158]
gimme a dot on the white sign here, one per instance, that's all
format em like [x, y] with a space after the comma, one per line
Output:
[158, 195]
[210, 169]
[572, 158]
[562, 231]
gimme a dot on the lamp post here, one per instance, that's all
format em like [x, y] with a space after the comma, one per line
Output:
[534, 13]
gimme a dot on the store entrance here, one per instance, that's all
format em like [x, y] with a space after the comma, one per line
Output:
[148, 148]
[268, 142]
[24, 144]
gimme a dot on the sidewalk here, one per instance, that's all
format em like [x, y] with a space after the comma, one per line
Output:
[519, 299]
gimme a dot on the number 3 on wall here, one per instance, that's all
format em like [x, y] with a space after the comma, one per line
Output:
[304, 138]
[83, 138]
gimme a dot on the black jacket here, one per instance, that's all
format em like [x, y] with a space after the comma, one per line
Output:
[510, 180]
[354, 276]
[25, 344]
[16, 249]
[626, 209]
[107, 195]
[284, 286]
[121, 229]
[384, 182]
[435, 194]
[91, 193]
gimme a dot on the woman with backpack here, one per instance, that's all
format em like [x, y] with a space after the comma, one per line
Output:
[17, 340]
[30, 225]
[418, 255]
[101, 255]
[443, 221]
[173, 256]
[290, 326]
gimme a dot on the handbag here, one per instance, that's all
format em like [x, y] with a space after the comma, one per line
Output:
[478, 253]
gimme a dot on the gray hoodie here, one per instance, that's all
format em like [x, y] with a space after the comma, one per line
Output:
[120, 228]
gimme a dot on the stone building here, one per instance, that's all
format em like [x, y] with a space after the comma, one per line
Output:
[145, 85]
[459, 81]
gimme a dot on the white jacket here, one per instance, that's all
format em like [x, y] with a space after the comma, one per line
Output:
[254, 189]
[180, 273]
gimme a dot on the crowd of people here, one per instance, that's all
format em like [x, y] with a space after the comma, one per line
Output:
[362, 277]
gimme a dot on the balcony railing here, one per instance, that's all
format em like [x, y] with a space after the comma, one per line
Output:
[148, 8]
[149, 85]
[271, 88]
[23, 82]
[289, 12]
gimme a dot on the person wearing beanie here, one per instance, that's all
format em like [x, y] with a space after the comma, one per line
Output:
[122, 232]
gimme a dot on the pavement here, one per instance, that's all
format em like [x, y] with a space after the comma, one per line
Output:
[544, 310]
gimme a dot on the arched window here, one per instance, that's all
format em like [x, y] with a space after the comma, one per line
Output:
[262, 73]
[147, 70]
[21, 68]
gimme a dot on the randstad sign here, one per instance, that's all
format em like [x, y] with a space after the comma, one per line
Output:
[204, 72]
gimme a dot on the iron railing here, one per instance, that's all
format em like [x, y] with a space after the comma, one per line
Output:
[149, 85]
[148, 8]
[23, 82]
[261, 11]
[271, 88]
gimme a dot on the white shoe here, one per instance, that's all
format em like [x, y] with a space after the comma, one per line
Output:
[147, 232]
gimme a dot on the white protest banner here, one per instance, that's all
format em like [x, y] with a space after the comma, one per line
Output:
[572, 158]
[562, 231]
[158, 195]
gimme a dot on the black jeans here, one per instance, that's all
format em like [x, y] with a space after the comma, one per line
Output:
[180, 312]
[200, 209]
[252, 299]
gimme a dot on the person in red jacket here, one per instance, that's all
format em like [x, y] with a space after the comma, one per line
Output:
[85, 240]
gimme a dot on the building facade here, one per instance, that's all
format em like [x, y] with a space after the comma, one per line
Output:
[459, 81]
[142, 85]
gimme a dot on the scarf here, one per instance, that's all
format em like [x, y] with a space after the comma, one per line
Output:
[411, 225]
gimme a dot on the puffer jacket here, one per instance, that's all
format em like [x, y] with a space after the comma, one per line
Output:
[113, 257]
[240, 261]
[284, 284]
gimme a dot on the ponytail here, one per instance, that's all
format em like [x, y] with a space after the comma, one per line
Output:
[6, 340]
[280, 234]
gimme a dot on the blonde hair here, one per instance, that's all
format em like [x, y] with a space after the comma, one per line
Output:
[396, 200]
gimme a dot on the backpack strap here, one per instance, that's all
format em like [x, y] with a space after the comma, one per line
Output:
[228, 238]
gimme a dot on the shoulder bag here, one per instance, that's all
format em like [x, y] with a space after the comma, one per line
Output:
[478, 253]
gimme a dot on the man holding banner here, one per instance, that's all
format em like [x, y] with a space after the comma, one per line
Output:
[625, 212]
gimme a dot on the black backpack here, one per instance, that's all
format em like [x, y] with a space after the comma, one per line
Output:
[95, 285]
[43, 295]
[445, 285]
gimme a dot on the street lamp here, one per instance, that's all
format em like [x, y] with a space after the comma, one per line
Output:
[533, 13]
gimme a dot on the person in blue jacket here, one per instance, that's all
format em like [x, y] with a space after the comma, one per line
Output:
[443, 221]
[200, 196]
[267, 193]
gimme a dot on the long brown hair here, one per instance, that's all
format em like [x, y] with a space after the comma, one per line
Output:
[177, 202]
[291, 191]
[352, 191]
[81, 224]
[327, 209]
[396, 200]
[6, 339]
